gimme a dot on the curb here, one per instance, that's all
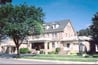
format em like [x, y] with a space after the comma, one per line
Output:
[62, 62]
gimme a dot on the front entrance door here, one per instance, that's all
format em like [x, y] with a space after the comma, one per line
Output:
[37, 46]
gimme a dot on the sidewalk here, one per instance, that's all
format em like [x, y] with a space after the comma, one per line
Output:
[56, 61]
[60, 62]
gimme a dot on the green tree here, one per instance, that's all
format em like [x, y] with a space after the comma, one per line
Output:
[5, 1]
[94, 29]
[85, 32]
[21, 21]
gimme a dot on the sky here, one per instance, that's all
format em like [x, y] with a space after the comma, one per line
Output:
[80, 12]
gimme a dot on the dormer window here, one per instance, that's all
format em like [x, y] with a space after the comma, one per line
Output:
[55, 26]
[47, 27]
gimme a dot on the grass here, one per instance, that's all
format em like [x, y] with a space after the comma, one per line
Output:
[62, 58]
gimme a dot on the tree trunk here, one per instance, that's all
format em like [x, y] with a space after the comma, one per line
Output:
[18, 52]
[16, 41]
[92, 47]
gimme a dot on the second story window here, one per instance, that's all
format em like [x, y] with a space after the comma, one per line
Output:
[48, 34]
[54, 35]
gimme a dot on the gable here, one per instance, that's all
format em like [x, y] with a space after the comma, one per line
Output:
[69, 30]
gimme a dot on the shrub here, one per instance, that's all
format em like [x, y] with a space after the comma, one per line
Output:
[72, 52]
[57, 50]
[79, 54]
[52, 52]
[24, 50]
[95, 55]
[85, 55]
[42, 52]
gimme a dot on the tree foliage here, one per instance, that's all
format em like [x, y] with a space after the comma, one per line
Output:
[5, 1]
[85, 32]
[17, 22]
[94, 28]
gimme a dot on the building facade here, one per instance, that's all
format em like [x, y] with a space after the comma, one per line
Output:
[58, 34]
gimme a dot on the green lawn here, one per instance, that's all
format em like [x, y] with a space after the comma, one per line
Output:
[62, 58]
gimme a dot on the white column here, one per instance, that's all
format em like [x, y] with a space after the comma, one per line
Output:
[46, 47]
[29, 46]
[9, 50]
[56, 45]
[50, 45]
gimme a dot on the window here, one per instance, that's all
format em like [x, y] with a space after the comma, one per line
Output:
[47, 27]
[68, 45]
[48, 34]
[54, 35]
[53, 45]
[55, 26]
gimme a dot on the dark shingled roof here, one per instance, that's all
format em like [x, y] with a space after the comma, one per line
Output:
[61, 27]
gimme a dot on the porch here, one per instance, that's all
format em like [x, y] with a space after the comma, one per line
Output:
[40, 45]
[8, 49]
